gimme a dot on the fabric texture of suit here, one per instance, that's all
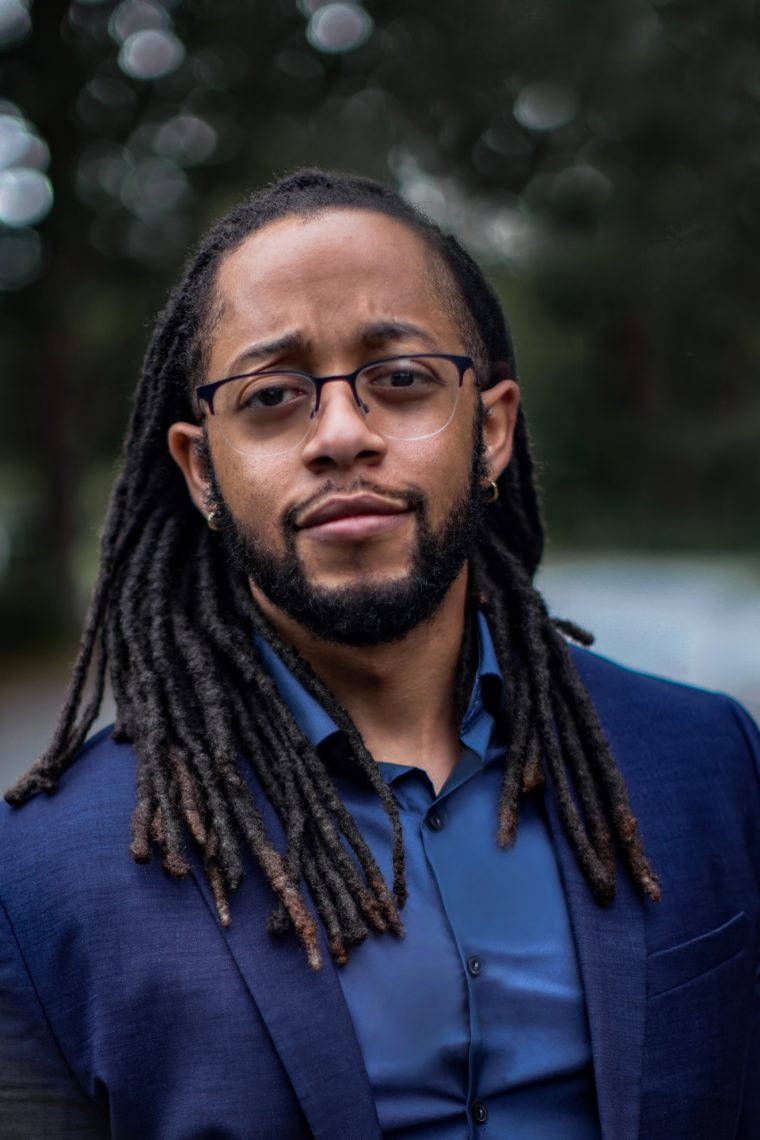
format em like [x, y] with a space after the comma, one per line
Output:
[124, 1005]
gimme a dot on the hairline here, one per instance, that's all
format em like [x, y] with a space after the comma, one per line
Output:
[444, 283]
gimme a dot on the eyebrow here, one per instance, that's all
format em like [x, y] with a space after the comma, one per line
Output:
[255, 353]
[376, 334]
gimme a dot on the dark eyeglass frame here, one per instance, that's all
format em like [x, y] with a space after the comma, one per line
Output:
[206, 392]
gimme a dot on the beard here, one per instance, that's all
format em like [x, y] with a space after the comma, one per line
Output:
[364, 613]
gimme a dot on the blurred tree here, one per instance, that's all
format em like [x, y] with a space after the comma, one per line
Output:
[603, 158]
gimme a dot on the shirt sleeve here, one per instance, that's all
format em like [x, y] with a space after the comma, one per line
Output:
[39, 1095]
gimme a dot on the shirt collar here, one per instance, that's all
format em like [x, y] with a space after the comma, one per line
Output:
[318, 726]
[311, 718]
[486, 696]
[488, 685]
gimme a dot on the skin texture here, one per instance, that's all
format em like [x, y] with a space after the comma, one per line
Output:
[325, 294]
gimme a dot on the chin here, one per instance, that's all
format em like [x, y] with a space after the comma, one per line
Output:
[357, 579]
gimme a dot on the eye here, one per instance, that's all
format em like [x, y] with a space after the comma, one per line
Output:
[400, 377]
[282, 391]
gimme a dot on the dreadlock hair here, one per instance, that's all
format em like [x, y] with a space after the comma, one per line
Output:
[191, 691]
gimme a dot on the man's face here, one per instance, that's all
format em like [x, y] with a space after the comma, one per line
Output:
[366, 611]
[353, 535]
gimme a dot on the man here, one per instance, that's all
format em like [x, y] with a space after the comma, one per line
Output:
[415, 901]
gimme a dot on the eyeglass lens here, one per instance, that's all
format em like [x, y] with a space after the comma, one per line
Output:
[403, 398]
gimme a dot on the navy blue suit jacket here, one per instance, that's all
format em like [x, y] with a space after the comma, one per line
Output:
[124, 1004]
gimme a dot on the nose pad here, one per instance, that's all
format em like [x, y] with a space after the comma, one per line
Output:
[336, 399]
[339, 430]
[339, 380]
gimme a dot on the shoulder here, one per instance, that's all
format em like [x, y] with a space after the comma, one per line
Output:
[75, 903]
[633, 704]
[112, 963]
[87, 815]
[690, 759]
[64, 858]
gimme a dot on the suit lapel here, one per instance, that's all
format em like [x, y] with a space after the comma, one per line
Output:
[612, 957]
[306, 1016]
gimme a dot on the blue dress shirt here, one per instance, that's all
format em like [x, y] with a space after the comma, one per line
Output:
[473, 1024]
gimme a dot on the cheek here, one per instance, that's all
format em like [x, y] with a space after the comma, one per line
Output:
[440, 467]
[253, 491]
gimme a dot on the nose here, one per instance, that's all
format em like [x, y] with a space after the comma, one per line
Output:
[341, 434]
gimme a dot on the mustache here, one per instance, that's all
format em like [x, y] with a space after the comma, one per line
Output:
[410, 498]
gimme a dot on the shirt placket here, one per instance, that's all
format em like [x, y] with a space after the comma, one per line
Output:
[433, 835]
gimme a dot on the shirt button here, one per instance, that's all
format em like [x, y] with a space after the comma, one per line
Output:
[474, 965]
[435, 821]
[479, 1112]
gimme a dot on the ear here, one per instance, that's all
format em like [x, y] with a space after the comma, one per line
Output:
[501, 403]
[184, 447]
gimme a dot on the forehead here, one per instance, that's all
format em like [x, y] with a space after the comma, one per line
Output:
[324, 276]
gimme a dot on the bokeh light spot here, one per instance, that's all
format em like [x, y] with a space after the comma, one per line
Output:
[14, 138]
[151, 54]
[545, 106]
[112, 92]
[26, 197]
[105, 104]
[339, 27]
[20, 145]
[508, 143]
[186, 139]
[101, 170]
[509, 235]
[153, 187]
[154, 244]
[15, 22]
[36, 154]
[584, 185]
[133, 16]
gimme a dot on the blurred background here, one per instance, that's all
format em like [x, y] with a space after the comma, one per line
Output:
[601, 159]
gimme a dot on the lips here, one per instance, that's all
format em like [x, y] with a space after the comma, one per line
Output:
[349, 506]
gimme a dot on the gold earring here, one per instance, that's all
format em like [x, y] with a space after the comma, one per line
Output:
[494, 491]
[212, 518]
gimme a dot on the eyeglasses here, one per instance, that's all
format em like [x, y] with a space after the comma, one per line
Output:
[403, 397]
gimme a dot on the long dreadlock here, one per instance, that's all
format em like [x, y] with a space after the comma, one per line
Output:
[191, 691]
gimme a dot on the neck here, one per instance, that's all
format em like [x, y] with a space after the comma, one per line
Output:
[401, 695]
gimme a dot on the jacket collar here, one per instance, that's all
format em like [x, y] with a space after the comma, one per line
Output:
[303, 1009]
[612, 955]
